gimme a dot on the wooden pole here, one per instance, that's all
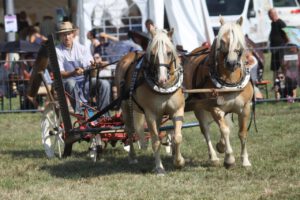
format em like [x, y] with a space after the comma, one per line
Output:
[211, 90]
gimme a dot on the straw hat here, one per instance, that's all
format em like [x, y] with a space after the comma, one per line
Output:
[65, 27]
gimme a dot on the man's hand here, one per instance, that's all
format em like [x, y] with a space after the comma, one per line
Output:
[78, 71]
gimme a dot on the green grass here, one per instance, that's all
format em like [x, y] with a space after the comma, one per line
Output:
[26, 173]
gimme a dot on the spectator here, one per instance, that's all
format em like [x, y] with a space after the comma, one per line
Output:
[284, 87]
[277, 39]
[104, 95]
[291, 67]
[105, 40]
[47, 26]
[23, 25]
[100, 42]
[35, 36]
[73, 59]
[253, 65]
[2, 33]
[91, 35]
[149, 25]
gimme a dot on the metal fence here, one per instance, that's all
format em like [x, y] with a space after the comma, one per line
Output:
[14, 81]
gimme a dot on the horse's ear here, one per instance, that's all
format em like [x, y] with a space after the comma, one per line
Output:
[240, 21]
[152, 31]
[222, 22]
[170, 33]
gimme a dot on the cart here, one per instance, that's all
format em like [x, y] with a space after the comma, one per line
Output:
[59, 133]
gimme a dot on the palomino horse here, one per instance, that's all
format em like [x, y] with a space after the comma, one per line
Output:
[150, 85]
[223, 71]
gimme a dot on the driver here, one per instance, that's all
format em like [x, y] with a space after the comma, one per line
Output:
[73, 59]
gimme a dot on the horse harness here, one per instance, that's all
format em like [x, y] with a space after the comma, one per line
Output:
[142, 65]
[214, 76]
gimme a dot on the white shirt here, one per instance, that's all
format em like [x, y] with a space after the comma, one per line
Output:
[70, 59]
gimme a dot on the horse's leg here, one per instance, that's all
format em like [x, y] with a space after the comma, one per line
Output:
[139, 121]
[177, 121]
[153, 125]
[243, 132]
[219, 117]
[129, 130]
[203, 118]
[221, 144]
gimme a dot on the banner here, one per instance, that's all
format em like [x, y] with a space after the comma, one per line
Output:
[10, 23]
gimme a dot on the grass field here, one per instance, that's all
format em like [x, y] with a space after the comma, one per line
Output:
[26, 173]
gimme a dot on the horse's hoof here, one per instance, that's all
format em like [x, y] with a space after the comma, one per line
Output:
[179, 163]
[247, 165]
[229, 165]
[160, 171]
[215, 163]
[220, 147]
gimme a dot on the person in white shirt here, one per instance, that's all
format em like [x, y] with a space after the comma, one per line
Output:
[73, 59]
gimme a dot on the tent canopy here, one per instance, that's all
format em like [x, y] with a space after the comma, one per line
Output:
[189, 18]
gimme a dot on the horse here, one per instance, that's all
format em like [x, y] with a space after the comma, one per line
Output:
[150, 86]
[222, 72]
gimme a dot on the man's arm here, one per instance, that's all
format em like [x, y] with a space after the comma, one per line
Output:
[110, 37]
[77, 72]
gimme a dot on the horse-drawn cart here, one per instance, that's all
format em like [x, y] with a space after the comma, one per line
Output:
[62, 128]
[58, 131]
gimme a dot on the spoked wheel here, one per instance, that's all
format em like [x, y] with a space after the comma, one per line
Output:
[52, 131]
[96, 148]
[169, 142]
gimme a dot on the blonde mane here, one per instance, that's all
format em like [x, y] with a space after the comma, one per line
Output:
[160, 41]
[236, 36]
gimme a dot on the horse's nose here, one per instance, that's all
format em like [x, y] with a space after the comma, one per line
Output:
[231, 65]
[162, 80]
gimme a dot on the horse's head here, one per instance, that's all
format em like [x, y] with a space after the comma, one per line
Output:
[161, 56]
[230, 44]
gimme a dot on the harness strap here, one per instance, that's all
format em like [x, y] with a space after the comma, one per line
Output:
[196, 72]
[177, 118]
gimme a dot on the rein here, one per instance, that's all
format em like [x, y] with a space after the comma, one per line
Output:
[98, 66]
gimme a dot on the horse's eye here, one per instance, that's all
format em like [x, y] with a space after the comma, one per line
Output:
[169, 54]
[239, 52]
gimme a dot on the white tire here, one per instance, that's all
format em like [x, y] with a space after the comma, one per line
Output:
[52, 131]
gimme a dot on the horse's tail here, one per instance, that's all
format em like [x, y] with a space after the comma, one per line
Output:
[253, 114]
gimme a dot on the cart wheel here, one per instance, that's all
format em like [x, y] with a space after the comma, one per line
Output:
[96, 148]
[170, 148]
[52, 131]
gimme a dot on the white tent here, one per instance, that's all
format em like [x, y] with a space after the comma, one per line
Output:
[189, 18]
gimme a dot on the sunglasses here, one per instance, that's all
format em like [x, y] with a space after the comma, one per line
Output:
[96, 57]
[281, 77]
